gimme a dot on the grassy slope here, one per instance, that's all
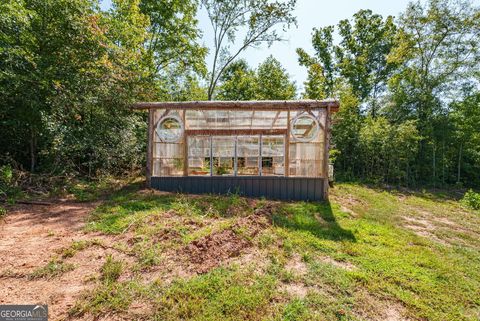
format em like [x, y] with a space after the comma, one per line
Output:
[369, 254]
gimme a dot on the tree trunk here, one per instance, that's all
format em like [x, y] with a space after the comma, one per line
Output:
[32, 149]
[459, 163]
[434, 166]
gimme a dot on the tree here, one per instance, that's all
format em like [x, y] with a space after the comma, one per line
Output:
[345, 134]
[465, 118]
[69, 72]
[362, 55]
[174, 35]
[322, 67]
[273, 81]
[437, 47]
[269, 81]
[259, 18]
[238, 82]
[360, 58]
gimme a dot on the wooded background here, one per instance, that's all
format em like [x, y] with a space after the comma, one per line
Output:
[408, 86]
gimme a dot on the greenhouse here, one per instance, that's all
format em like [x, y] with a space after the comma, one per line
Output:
[272, 149]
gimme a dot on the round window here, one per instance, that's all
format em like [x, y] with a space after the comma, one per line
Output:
[170, 129]
[305, 128]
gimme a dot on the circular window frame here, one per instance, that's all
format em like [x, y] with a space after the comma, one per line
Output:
[292, 125]
[176, 139]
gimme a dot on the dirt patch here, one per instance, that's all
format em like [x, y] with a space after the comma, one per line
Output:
[347, 203]
[423, 227]
[297, 289]
[370, 307]
[31, 236]
[340, 264]
[296, 266]
[212, 250]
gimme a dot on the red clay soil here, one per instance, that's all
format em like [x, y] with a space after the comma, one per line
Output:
[212, 250]
[30, 235]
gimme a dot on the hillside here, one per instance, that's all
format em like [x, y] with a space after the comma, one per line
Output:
[369, 254]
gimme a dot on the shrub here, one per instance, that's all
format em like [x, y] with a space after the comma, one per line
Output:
[471, 200]
[6, 178]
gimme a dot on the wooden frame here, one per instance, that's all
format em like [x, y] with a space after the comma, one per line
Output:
[233, 132]
[329, 106]
[262, 105]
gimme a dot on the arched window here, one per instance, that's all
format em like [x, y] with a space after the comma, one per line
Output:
[304, 128]
[170, 129]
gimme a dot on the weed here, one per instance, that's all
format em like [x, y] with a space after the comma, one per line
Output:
[111, 270]
[362, 227]
[52, 269]
[77, 246]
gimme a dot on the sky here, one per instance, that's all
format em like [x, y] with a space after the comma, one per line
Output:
[310, 14]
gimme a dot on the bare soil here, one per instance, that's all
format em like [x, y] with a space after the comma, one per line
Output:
[214, 249]
[30, 235]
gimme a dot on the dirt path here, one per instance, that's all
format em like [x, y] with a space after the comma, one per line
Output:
[30, 235]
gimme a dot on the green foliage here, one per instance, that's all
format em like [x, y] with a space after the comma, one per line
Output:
[6, 179]
[269, 82]
[174, 36]
[273, 81]
[388, 151]
[260, 18]
[406, 71]
[238, 82]
[471, 199]
[438, 56]
[70, 71]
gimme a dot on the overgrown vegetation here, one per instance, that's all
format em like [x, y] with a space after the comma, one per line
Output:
[367, 254]
[472, 200]
[408, 91]
[408, 86]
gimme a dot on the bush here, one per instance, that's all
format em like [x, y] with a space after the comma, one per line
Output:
[471, 200]
[6, 181]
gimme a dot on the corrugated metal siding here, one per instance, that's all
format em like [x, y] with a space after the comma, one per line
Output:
[281, 188]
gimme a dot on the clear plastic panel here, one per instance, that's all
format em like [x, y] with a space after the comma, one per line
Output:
[273, 150]
[170, 166]
[199, 155]
[223, 155]
[306, 158]
[248, 155]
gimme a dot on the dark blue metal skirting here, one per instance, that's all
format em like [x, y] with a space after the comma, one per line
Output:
[281, 188]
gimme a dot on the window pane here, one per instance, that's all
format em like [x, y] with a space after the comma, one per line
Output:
[168, 167]
[223, 155]
[199, 155]
[273, 149]
[247, 152]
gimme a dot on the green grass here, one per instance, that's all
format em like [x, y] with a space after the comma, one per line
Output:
[365, 251]
[53, 269]
[77, 246]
